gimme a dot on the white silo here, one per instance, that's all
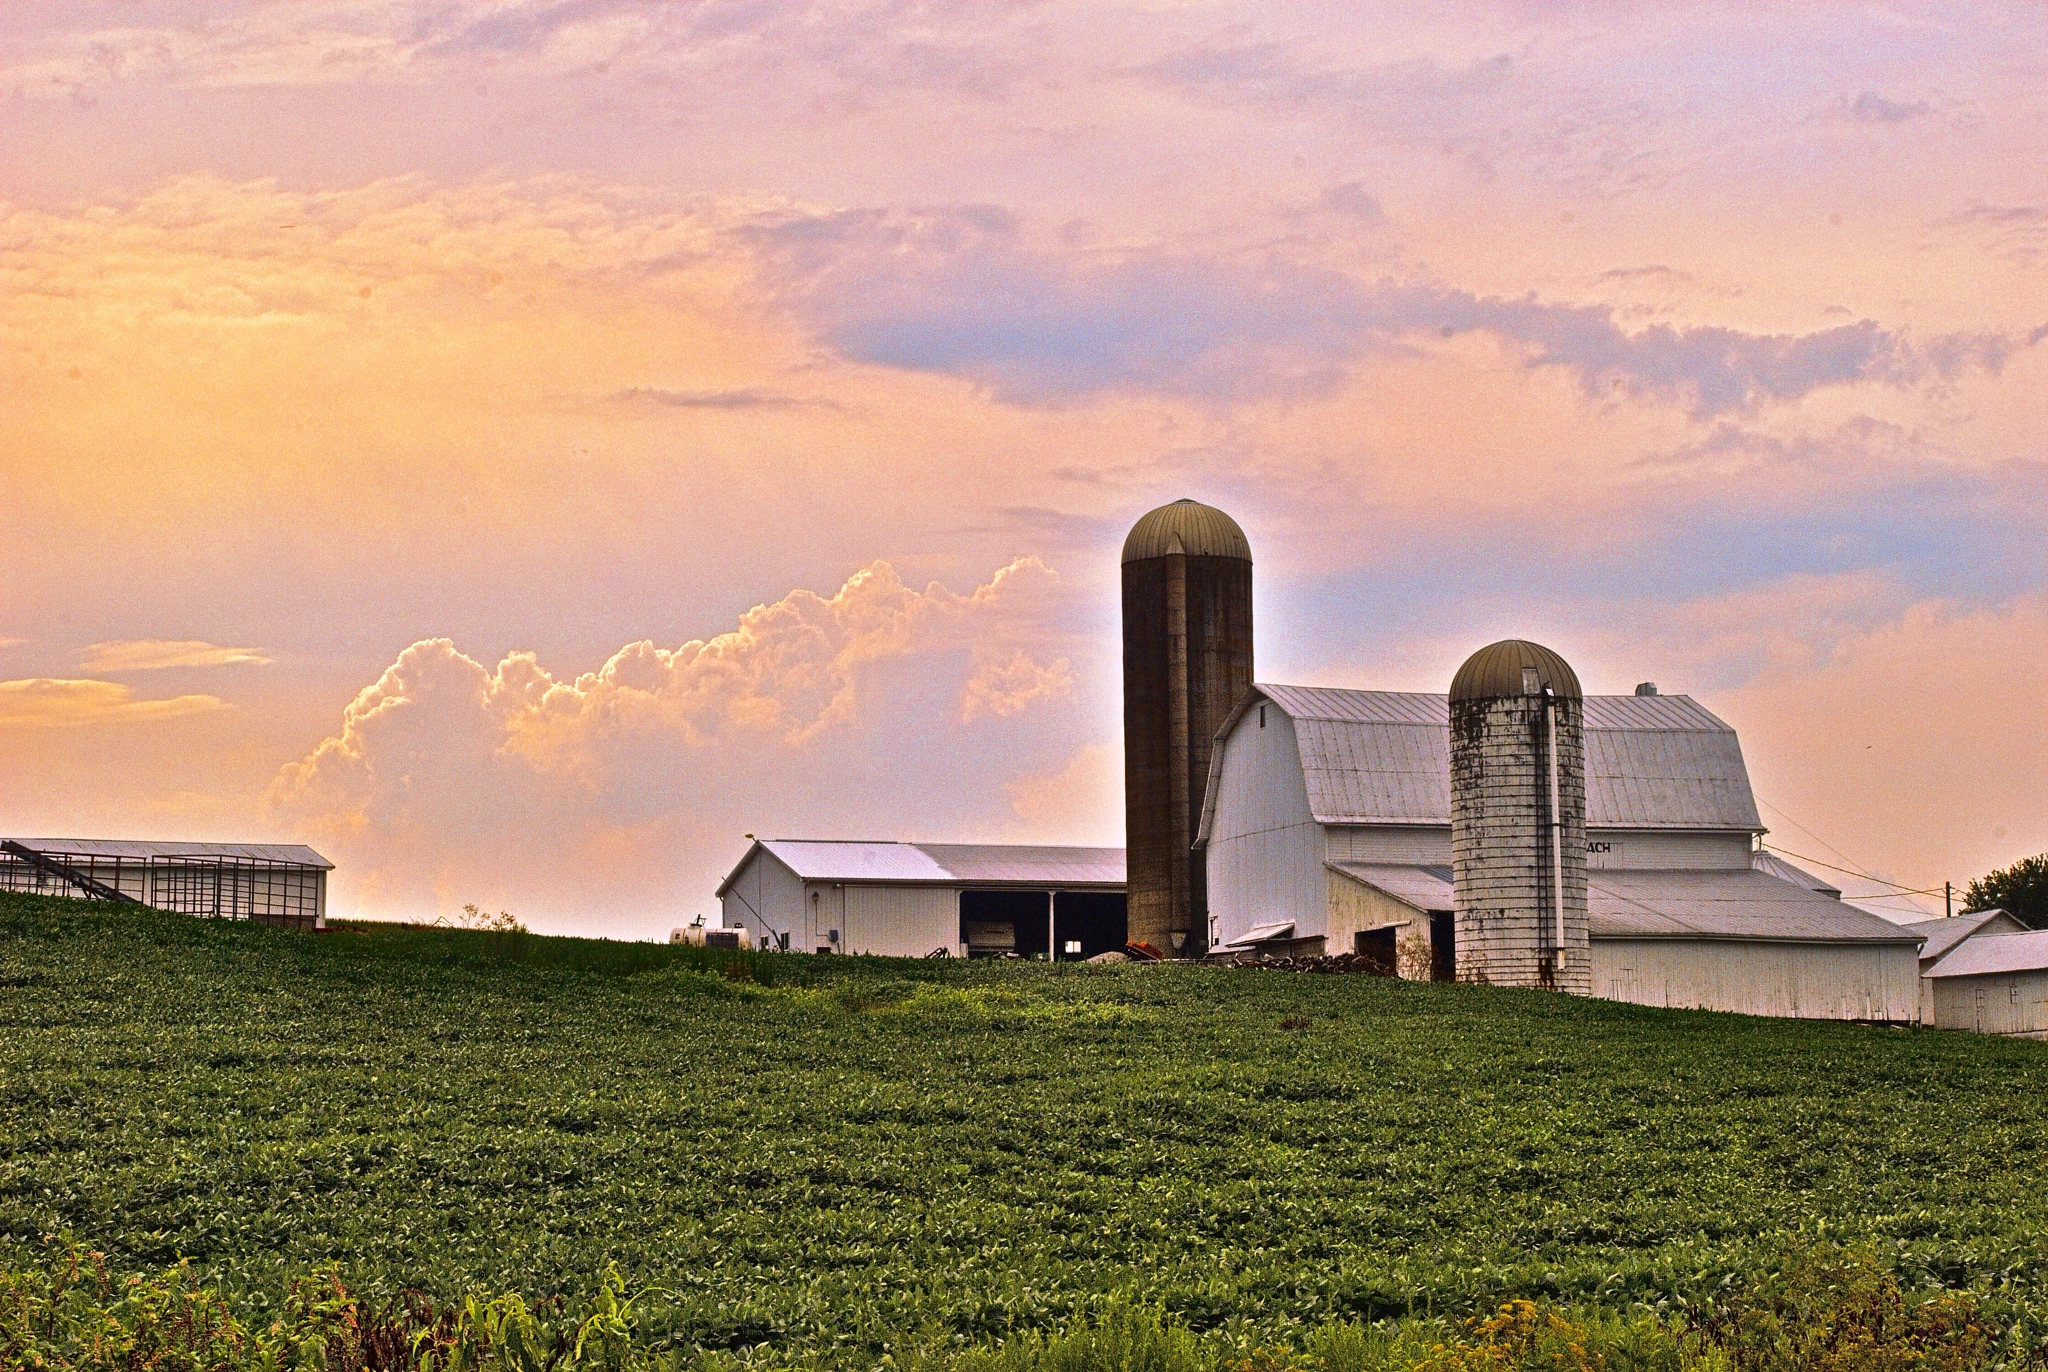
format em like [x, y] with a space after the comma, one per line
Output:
[1518, 819]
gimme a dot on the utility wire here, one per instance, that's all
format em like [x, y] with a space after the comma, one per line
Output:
[1851, 870]
[1898, 890]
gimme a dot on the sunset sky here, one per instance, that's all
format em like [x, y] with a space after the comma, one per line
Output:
[522, 447]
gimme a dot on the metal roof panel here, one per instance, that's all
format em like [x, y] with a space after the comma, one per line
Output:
[142, 850]
[1995, 955]
[1730, 904]
[1383, 757]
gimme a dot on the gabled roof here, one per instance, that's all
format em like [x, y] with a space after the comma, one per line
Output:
[145, 850]
[1995, 955]
[886, 863]
[1384, 757]
[1943, 935]
[1731, 904]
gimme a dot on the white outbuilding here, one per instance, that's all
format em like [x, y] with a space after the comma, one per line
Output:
[1994, 984]
[1944, 936]
[1327, 828]
[920, 899]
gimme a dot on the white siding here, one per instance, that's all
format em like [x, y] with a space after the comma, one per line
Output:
[1790, 980]
[901, 921]
[766, 898]
[2000, 1003]
[1664, 851]
[1265, 857]
[1408, 845]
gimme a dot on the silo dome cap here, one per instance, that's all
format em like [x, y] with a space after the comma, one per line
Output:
[1502, 669]
[1190, 527]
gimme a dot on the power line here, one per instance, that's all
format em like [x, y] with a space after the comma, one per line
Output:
[1897, 888]
[1851, 870]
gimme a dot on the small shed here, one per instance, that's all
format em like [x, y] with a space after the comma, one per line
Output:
[915, 899]
[1994, 984]
[284, 884]
[1944, 936]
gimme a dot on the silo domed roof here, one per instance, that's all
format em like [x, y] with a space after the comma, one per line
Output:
[1496, 670]
[1202, 531]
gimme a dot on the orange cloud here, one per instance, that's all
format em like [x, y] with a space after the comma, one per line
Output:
[48, 703]
[150, 654]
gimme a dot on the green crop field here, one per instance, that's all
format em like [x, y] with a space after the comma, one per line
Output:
[844, 1157]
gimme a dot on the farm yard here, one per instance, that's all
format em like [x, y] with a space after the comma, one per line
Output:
[832, 1160]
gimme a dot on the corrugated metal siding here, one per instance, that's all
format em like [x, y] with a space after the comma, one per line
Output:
[1265, 852]
[1421, 843]
[1666, 850]
[901, 922]
[1787, 980]
[2015, 1004]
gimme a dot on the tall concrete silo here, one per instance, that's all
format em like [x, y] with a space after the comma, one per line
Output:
[1518, 819]
[1187, 572]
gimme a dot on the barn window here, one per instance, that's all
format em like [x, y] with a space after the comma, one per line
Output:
[1262, 716]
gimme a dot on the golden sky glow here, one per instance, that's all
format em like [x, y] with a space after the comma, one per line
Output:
[520, 446]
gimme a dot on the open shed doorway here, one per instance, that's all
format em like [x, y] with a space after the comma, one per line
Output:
[996, 924]
[1443, 946]
[1088, 922]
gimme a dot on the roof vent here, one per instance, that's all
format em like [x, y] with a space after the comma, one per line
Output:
[1646, 688]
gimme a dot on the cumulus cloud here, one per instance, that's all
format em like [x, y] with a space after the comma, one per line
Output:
[150, 654]
[1003, 689]
[444, 759]
[50, 703]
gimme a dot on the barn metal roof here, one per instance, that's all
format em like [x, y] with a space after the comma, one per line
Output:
[1766, 861]
[1384, 757]
[142, 850]
[887, 863]
[1942, 935]
[1029, 864]
[1748, 905]
[1426, 887]
[1996, 955]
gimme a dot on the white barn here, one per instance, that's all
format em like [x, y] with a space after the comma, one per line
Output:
[918, 899]
[1994, 984]
[1327, 827]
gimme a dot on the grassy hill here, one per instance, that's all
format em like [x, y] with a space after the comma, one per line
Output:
[852, 1155]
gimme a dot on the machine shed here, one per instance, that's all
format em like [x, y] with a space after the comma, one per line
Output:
[918, 899]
